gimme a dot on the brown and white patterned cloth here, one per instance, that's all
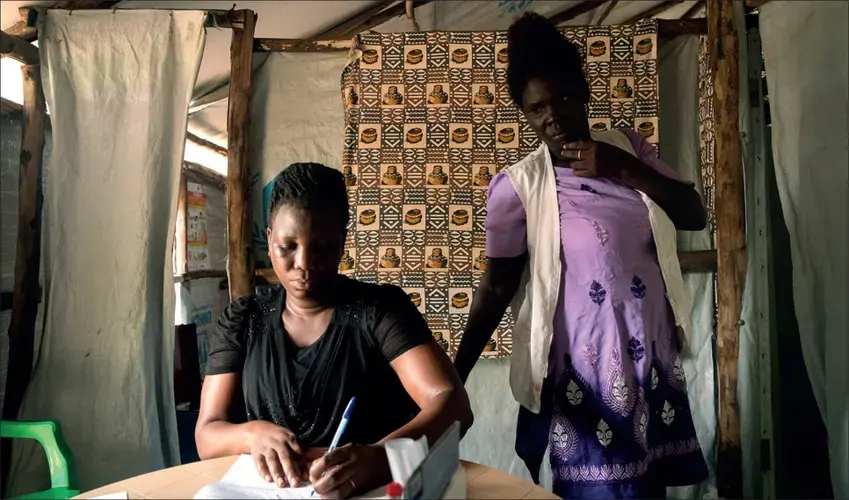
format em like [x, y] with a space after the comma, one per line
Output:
[428, 123]
[707, 141]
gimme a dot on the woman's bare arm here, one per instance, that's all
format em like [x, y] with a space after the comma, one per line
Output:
[428, 377]
[498, 285]
[275, 450]
[214, 434]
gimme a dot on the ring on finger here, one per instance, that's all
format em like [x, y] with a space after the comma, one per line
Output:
[353, 484]
[579, 154]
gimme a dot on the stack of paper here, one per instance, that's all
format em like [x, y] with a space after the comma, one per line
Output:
[243, 481]
[431, 470]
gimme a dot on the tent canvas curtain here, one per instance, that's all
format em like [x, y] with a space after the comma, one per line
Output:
[680, 147]
[296, 116]
[806, 55]
[118, 86]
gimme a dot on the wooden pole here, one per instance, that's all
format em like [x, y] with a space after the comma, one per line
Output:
[27, 292]
[239, 252]
[697, 261]
[181, 241]
[724, 46]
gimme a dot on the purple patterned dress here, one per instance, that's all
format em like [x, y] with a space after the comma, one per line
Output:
[614, 406]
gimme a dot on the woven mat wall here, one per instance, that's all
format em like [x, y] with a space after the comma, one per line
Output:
[429, 121]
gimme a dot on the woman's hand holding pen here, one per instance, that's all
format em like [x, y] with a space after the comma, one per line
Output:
[350, 469]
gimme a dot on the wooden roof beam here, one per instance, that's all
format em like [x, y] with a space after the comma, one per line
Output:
[214, 18]
[300, 45]
[694, 10]
[205, 174]
[351, 23]
[8, 107]
[18, 49]
[654, 11]
[669, 28]
[215, 148]
[367, 20]
[29, 33]
[604, 12]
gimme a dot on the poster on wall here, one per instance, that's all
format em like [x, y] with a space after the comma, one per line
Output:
[202, 318]
[196, 235]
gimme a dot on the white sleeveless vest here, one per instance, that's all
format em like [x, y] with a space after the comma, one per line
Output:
[535, 301]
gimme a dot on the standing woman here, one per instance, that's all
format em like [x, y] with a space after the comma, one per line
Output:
[581, 237]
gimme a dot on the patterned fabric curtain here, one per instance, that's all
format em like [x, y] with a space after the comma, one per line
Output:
[428, 123]
[707, 142]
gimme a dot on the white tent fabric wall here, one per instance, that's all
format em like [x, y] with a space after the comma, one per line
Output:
[491, 441]
[806, 53]
[118, 87]
[678, 61]
[296, 116]
[754, 360]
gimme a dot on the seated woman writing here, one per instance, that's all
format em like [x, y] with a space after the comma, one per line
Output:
[300, 351]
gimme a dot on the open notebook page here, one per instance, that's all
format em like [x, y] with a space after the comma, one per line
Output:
[243, 481]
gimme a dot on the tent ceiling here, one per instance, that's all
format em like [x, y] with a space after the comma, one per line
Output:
[303, 19]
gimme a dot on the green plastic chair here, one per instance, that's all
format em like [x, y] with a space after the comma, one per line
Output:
[63, 467]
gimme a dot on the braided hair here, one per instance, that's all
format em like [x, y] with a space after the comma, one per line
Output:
[311, 186]
[536, 49]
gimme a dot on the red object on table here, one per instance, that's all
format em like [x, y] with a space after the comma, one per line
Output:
[394, 490]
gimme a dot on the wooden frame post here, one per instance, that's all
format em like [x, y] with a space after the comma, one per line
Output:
[724, 47]
[240, 267]
[28, 252]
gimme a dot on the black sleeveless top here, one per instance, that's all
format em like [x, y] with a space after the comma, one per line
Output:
[306, 390]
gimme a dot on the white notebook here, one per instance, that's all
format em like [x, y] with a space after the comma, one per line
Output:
[243, 481]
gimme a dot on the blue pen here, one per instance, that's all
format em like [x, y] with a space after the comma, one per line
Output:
[346, 417]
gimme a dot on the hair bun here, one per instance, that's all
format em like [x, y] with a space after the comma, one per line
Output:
[530, 26]
[536, 48]
[532, 33]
